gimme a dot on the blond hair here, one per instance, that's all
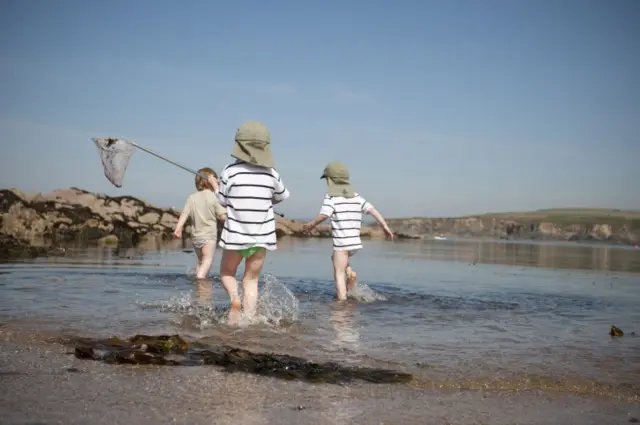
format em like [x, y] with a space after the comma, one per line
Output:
[201, 183]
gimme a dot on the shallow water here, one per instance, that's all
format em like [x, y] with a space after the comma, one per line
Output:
[458, 314]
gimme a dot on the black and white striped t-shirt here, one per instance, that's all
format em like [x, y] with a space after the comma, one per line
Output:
[346, 220]
[248, 191]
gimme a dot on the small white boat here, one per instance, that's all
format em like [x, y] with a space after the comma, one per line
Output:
[440, 238]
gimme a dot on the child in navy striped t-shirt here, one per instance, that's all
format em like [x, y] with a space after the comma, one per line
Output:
[345, 207]
[248, 189]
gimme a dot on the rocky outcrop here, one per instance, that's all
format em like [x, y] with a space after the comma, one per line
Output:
[610, 230]
[75, 215]
[31, 222]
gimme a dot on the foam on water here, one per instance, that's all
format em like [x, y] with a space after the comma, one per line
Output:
[277, 306]
[364, 294]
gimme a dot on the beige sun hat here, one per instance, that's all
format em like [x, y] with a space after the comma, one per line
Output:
[337, 175]
[253, 144]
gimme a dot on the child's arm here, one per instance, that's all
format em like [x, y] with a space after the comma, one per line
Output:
[181, 221]
[370, 209]
[313, 223]
[325, 212]
[280, 192]
[220, 212]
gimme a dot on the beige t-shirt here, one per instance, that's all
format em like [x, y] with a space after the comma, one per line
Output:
[204, 209]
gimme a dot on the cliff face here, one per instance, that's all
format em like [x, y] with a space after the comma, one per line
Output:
[606, 229]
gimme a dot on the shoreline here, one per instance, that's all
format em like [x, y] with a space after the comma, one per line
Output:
[39, 224]
[43, 383]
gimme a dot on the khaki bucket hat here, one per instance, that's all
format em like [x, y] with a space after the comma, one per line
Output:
[337, 175]
[253, 144]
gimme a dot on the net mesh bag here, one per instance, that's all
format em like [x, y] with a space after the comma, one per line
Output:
[115, 155]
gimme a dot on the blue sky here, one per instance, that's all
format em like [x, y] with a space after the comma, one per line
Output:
[438, 108]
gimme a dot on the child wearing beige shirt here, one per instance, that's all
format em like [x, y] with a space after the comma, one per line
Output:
[204, 210]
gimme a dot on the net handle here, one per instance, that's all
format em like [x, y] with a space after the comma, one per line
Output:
[157, 155]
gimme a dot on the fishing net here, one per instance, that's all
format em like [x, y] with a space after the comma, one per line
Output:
[115, 155]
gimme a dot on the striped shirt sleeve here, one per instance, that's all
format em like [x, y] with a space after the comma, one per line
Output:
[366, 206]
[327, 207]
[280, 192]
[223, 188]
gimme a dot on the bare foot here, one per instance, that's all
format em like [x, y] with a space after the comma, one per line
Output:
[235, 312]
[351, 281]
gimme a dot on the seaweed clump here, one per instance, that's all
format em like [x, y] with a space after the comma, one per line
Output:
[172, 350]
[615, 331]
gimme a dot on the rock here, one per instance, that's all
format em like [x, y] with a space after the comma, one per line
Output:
[14, 248]
[78, 216]
[173, 350]
[615, 331]
[149, 218]
[109, 240]
[75, 215]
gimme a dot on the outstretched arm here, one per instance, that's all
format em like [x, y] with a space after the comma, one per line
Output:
[313, 223]
[325, 212]
[380, 219]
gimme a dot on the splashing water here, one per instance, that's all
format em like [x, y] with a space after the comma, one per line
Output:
[184, 305]
[277, 305]
[363, 293]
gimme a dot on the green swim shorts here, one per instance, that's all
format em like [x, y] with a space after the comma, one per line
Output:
[248, 252]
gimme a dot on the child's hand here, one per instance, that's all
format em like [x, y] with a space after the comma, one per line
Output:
[177, 233]
[213, 181]
[306, 227]
[389, 233]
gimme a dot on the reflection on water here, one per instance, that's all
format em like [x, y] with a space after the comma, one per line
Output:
[548, 255]
[522, 317]
[202, 292]
[345, 325]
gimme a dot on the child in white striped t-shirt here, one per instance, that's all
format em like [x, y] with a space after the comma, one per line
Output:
[248, 189]
[345, 207]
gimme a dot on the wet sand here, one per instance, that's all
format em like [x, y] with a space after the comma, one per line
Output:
[41, 383]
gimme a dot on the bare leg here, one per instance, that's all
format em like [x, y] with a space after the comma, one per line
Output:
[203, 292]
[206, 258]
[252, 268]
[228, 269]
[351, 278]
[198, 252]
[340, 261]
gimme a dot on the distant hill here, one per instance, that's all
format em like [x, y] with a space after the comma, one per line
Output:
[593, 224]
[571, 213]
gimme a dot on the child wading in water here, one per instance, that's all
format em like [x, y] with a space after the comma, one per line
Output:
[204, 210]
[345, 207]
[249, 188]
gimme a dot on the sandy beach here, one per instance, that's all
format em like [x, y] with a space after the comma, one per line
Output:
[43, 384]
